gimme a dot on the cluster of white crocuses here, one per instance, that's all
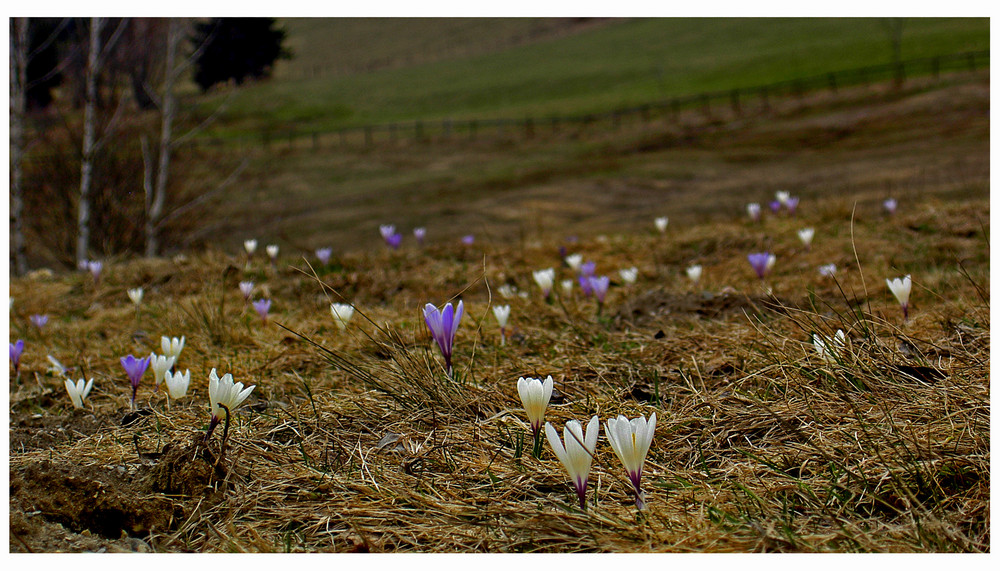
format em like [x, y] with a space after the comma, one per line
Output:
[630, 439]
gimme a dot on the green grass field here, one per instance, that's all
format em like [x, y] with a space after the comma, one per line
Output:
[614, 63]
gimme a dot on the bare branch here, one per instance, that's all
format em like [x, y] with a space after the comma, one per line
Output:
[208, 120]
[200, 199]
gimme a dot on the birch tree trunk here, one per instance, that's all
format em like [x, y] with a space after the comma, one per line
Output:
[89, 119]
[18, 89]
[155, 204]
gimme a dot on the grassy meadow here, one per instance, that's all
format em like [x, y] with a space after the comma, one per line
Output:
[359, 440]
[568, 68]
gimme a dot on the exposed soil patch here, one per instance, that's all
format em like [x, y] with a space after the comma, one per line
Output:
[85, 504]
[105, 500]
[661, 304]
[37, 432]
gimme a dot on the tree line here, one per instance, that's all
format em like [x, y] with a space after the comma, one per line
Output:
[101, 94]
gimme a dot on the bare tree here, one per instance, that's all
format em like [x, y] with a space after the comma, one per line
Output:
[18, 100]
[156, 194]
[155, 180]
[95, 57]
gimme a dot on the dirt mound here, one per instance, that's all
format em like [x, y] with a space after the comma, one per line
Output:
[122, 503]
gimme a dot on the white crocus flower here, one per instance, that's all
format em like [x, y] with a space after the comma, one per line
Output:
[806, 235]
[78, 391]
[782, 196]
[630, 440]
[535, 395]
[574, 261]
[135, 295]
[694, 273]
[57, 368]
[342, 313]
[629, 275]
[172, 346]
[177, 384]
[246, 288]
[544, 279]
[661, 223]
[250, 246]
[507, 290]
[901, 289]
[272, 251]
[224, 391]
[567, 286]
[577, 453]
[830, 349]
[160, 365]
[770, 261]
[753, 210]
[828, 270]
[502, 314]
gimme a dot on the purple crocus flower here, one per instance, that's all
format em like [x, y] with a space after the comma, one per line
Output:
[792, 203]
[95, 270]
[890, 205]
[588, 268]
[39, 321]
[262, 306]
[419, 234]
[394, 240]
[323, 254]
[135, 369]
[443, 325]
[586, 288]
[15, 355]
[775, 206]
[599, 285]
[761, 263]
[386, 230]
[468, 239]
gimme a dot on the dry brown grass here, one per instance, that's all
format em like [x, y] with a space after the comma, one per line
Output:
[358, 441]
[366, 445]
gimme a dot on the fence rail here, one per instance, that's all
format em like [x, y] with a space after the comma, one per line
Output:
[738, 101]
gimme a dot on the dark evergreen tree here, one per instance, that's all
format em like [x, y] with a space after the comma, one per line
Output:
[237, 49]
[43, 71]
